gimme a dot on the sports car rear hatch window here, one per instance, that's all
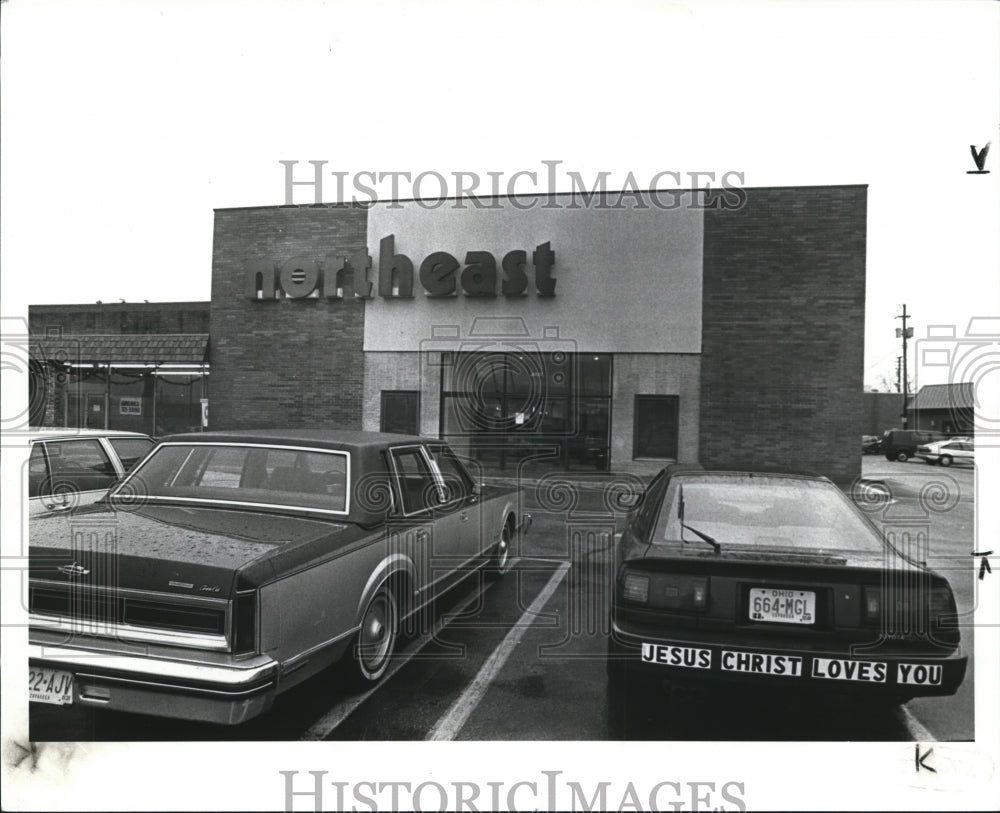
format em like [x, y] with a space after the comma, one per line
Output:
[763, 512]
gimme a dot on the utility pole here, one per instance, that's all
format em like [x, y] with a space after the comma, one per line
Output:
[899, 361]
[905, 333]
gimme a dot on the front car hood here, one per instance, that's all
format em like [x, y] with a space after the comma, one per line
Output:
[165, 548]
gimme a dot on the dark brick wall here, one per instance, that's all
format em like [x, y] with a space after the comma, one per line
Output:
[120, 318]
[882, 410]
[288, 362]
[783, 330]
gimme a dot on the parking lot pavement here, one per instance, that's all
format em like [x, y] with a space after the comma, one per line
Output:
[524, 658]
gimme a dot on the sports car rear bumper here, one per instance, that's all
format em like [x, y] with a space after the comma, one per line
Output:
[897, 673]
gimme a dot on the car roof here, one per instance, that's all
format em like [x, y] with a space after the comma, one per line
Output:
[340, 439]
[68, 432]
[762, 470]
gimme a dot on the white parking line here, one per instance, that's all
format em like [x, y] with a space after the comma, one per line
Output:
[914, 727]
[454, 719]
[323, 727]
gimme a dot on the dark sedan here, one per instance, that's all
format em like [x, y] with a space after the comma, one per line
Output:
[230, 566]
[775, 580]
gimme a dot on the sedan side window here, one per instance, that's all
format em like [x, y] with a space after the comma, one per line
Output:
[38, 473]
[417, 486]
[80, 465]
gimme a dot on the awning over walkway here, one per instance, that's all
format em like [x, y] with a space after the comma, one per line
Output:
[151, 349]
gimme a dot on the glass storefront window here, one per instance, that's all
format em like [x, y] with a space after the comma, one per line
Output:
[501, 408]
[131, 399]
[178, 404]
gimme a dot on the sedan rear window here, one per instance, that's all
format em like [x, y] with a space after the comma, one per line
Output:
[763, 511]
[243, 474]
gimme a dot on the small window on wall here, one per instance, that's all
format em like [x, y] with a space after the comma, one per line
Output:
[400, 411]
[655, 430]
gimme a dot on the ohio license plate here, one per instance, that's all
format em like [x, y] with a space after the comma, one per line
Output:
[50, 686]
[782, 606]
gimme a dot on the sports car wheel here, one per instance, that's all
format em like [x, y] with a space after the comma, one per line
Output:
[946, 460]
[377, 637]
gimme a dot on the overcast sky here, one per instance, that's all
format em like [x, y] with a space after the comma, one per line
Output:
[126, 123]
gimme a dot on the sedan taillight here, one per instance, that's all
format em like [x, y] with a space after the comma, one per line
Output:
[244, 632]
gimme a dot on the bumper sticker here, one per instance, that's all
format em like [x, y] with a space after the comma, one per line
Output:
[761, 664]
[691, 657]
[842, 669]
[919, 674]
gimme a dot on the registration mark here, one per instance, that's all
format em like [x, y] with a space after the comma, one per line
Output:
[775, 604]
[50, 686]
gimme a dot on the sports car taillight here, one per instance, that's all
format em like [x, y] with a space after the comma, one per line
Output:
[635, 587]
[873, 605]
[943, 615]
[244, 634]
[666, 591]
[927, 611]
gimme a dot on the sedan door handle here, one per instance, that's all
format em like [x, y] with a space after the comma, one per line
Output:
[465, 516]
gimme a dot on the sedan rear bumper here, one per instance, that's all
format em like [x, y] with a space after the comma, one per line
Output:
[217, 693]
[897, 675]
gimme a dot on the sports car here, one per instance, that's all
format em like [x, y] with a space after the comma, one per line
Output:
[774, 579]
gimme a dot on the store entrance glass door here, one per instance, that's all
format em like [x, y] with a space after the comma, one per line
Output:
[506, 409]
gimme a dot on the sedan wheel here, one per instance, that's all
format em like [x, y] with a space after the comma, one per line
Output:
[377, 636]
[503, 556]
[946, 460]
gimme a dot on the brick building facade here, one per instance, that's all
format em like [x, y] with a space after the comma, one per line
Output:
[702, 332]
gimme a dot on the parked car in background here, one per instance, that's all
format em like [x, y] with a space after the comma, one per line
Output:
[68, 468]
[870, 444]
[779, 580]
[901, 444]
[229, 567]
[947, 452]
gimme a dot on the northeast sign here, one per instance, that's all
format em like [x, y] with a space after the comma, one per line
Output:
[440, 274]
